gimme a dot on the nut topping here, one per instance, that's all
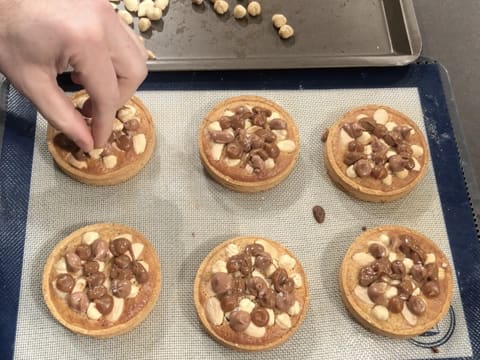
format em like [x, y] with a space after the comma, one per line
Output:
[395, 304]
[281, 281]
[83, 251]
[259, 316]
[239, 320]
[119, 246]
[90, 267]
[121, 288]
[376, 292]
[254, 137]
[377, 250]
[381, 151]
[74, 263]
[103, 275]
[400, 283]
[221, 282]
[78, 301]
[431, 289]
[229, 302]
[104, 304]
[416, 305]
[65, 282]
[250, 294]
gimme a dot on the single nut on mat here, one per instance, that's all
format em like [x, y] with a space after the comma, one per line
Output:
[239, 12]
[144, 24]
[126, 16]
[220, 6]
[285, 32]
[279, 20]
[154, 13]
[131, 5]
[254, 8]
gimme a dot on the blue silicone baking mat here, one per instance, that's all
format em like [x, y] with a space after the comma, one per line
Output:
[23, 316]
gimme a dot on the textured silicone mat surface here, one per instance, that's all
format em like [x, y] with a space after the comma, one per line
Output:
[185, 214]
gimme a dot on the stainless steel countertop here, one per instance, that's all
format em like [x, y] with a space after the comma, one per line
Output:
[451, 35]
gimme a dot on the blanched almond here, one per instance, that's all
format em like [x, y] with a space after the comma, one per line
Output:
[213, 311]
[139, 143]
[110, 161]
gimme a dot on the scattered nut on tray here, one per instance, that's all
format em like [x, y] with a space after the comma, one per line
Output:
[254, 9]
[147, 11]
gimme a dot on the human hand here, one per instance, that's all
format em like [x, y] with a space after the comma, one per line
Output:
[39, 39]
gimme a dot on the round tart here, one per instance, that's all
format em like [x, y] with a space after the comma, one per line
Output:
[248, 143]
[102, 280]
[251, 293]
[128, 150]
[376, 153]
[396, 282]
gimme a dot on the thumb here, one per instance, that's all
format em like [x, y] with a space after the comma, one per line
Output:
[58, 109]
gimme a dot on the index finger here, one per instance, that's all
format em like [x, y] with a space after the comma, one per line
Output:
[94, 70]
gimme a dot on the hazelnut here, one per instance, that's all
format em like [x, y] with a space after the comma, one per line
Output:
[285, 32]
[220, 7]
[239, 12]
[279, 20]
[254, 8]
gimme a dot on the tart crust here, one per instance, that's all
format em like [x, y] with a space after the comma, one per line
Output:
[135, 310]
[235, 178]
[274, 336]
[396, 326]
[109, 176]
[371, 189]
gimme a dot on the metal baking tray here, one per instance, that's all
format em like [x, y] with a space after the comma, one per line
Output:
[328, 33]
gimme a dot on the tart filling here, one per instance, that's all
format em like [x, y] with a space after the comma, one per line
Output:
[127, 142]
[102, 279]
[253, 294]
[128, 150]
[380, 148]
[398, 280]
[249, 139]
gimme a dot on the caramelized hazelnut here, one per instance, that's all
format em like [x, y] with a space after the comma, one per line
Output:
[121, 288]
[266, 298]
[377, 250]
[395, 304]
[376, 292]
[229, 302]
[283, 301]
[122, 261]
[90, 267]
[78, 301]
[253, 249]
[263, 260]
[65, 282]
[416, 305]
[104, 305]
[221, 282]
[95, 279]
[83, 251]
[260, 316]
[431, 289]
[119, 246]
[255, 285]
[281, 281]
[239, 320]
